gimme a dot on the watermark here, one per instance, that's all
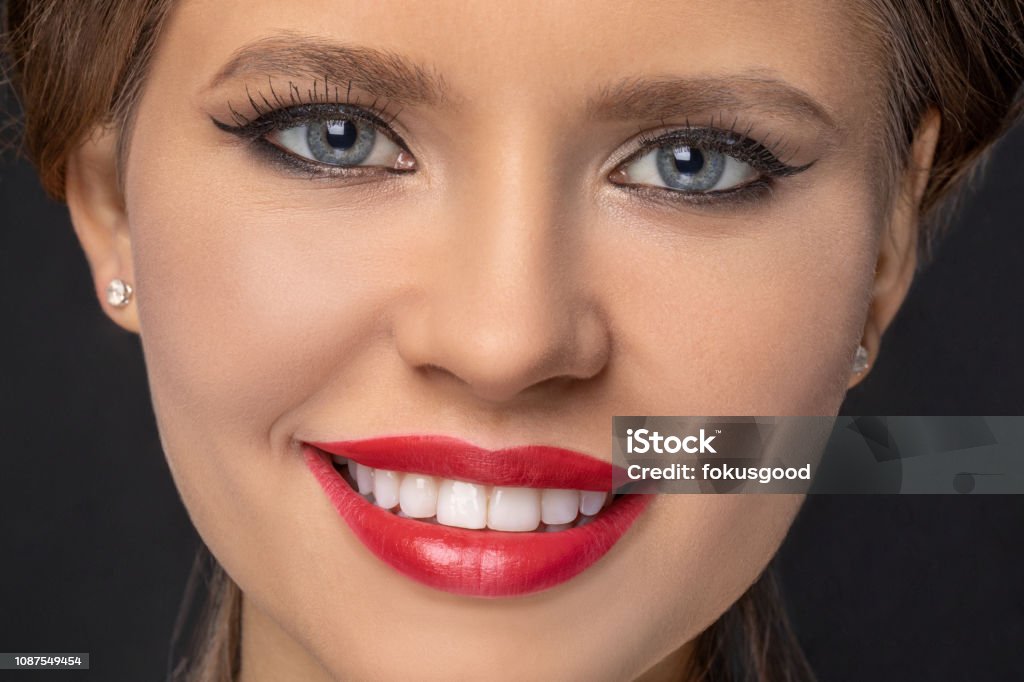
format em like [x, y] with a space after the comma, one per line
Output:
[62, 661]
[818, 455]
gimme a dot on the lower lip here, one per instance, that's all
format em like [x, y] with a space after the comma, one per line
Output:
[478, 563]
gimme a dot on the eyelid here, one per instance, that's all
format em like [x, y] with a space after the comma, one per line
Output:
[257, 133]
[303, 114]
[740, 148]
[737, 145]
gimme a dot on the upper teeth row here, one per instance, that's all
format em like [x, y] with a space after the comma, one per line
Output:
[473, 505]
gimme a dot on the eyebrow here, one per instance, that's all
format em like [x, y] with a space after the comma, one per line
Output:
[380, 73]
[662, 98]
[375, 72]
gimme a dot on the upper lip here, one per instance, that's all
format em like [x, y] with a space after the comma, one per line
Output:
[528, 466]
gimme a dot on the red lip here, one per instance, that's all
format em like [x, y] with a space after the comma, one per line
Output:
[530, 466]
[482, 563]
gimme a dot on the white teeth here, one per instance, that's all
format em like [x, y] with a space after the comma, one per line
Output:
[591, 501]
[559, 506]
[418, 496]
[473, 505]
[514, 509]
[385, 488]
[364, 479]
[461, 504]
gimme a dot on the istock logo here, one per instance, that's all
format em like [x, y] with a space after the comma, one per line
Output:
[652, 441]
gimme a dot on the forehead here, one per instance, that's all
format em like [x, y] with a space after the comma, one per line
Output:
[557, 54]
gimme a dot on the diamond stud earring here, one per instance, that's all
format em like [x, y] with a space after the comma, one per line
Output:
[860, 359]
[119, 292]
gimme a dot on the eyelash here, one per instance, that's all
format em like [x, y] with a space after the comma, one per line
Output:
[316, 108]
[319, 107]
[729, 141]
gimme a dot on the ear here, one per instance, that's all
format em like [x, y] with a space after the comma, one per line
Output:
[897, 252]
[98, 214]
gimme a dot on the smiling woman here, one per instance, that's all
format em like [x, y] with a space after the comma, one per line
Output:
[395, 265]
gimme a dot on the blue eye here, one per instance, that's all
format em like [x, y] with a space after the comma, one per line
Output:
[342, 142]
[689, 168]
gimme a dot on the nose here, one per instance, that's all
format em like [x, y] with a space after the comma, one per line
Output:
[506, 307]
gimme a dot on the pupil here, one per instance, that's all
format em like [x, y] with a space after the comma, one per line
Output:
[689, 160]
[341, 134]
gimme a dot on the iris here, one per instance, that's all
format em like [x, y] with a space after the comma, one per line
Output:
[340, 143]
[690, 168]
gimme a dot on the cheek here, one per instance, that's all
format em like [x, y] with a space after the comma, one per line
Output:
[761, 317]
[247, 314]
[245, 309]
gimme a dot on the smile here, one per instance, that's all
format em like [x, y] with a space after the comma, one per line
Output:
[471, 521]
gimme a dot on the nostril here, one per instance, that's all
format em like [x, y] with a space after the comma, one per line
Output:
[501, 339]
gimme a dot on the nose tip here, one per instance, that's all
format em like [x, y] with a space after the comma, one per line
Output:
[500, 352]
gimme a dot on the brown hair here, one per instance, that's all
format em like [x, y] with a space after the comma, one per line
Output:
[207, 637]
[79, 65]
[965, 59]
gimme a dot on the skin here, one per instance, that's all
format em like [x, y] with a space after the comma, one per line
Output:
[506, 292]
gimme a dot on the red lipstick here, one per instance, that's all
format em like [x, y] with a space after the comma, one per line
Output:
[482, 563]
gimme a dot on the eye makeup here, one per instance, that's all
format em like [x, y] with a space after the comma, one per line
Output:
[687, 164]
[695, 147]
[270, 123]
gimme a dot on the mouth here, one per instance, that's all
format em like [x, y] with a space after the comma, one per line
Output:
[470, 521]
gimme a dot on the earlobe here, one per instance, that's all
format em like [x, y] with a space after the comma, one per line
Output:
[97, 208]
[898, 243]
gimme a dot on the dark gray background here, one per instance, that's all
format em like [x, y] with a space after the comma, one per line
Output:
[96, 546]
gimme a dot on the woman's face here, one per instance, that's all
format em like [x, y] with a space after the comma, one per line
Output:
[519, 257]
